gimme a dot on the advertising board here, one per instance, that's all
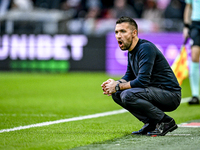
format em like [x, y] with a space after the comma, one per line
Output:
[168, 43]
[54, 53]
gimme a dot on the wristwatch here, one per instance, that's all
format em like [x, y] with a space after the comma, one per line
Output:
[117, 88]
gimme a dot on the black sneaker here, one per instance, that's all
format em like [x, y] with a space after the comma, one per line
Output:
[146, 128]
[194, 100]
[163, 128]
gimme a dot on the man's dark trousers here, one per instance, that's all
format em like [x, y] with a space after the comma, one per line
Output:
[148, 104]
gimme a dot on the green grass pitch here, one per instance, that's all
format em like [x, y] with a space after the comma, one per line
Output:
[31, 98]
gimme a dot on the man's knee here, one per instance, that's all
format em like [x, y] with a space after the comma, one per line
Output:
[127, 97]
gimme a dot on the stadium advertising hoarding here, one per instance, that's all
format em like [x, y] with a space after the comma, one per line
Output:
[168, 43]
[62, 53]
[57, 53]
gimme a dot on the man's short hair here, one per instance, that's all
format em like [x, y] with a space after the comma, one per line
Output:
[129, 20]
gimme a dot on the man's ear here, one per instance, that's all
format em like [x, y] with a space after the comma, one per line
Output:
[135, 32]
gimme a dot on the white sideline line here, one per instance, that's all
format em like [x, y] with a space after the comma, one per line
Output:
[65, 120]
[72, 119]
[184, 100]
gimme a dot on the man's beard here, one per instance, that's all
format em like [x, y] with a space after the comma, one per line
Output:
[126, 46]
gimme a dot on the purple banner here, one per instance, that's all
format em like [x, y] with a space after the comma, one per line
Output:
[168, 43]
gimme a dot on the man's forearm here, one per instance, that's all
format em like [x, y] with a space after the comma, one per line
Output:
[125, 85]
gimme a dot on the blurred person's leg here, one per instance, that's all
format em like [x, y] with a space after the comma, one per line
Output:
[194, 65]
[194, 75]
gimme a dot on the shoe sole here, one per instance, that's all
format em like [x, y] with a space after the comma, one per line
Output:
[169, 130]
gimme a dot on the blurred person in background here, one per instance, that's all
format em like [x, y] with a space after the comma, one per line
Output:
[149, 87]
[86, 14]
[138, 6]
[72, 7]
[152, 16]
[151, 11]
[174, 10]
[122, 8]
[93, 12]
[5, 5]
[25, 5]
[192, 29]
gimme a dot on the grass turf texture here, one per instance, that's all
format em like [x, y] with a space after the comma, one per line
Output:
[30, 98]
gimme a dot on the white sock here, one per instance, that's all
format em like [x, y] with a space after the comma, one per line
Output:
[194, 78]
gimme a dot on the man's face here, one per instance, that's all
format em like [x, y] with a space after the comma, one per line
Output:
[124, 35]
